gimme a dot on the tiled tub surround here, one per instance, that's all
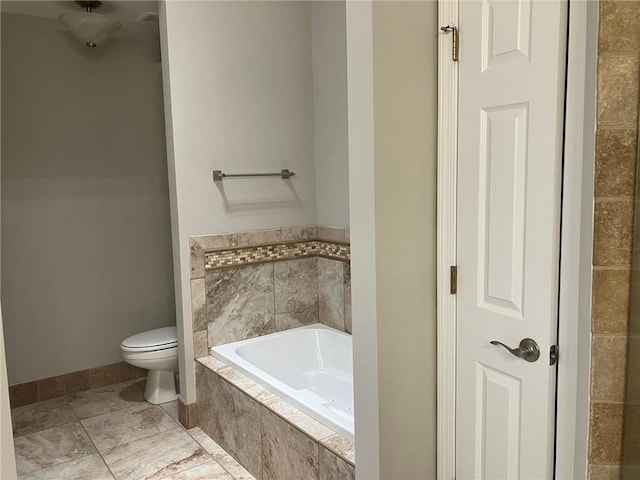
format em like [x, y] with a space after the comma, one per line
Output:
[268, 436]
[254, 300]
[245, 285]
[310, 367]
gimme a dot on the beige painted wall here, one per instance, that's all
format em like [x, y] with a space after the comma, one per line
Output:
[86, 249]
[7, 458]
[405, 102]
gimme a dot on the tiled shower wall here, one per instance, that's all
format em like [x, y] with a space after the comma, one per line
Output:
[243, 301]
[616, 146]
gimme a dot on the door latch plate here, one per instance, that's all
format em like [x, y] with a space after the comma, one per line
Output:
[553, 355]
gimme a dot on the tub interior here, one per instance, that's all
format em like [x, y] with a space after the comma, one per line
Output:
[311, 367]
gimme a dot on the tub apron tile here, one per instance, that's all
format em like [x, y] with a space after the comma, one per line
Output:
[286, 451]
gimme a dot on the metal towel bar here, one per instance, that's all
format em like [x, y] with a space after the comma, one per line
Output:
[284, 174]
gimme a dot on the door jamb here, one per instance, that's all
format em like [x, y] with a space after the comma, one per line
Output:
[446, 243]
[572, 416]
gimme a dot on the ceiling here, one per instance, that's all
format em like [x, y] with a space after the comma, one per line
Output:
[127, 11]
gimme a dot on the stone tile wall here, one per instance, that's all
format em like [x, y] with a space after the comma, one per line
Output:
[616, 151]
[310, 285]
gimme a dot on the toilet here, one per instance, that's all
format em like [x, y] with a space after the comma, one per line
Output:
[156, 351]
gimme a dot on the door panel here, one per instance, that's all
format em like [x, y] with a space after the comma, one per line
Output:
[497, 423]
[511, 96]
[506, 31]
[503, 161]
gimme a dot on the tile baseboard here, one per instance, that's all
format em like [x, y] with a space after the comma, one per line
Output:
[187, 414]
[60, 385]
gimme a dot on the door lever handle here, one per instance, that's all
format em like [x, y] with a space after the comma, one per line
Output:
[527, 350]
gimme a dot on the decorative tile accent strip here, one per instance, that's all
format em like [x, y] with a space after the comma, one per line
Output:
[235, 257]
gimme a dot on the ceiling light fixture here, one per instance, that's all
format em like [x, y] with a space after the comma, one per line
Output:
[91, 28]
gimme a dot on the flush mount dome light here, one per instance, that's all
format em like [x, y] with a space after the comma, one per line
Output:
[91, 28]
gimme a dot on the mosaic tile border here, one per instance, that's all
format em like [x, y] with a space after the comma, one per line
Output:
[240, 256]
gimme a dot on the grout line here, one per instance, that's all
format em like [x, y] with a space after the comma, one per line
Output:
[618, 268]
[262, 436]
[612, 198]
[273, 277]
[609, 335]
[618, 53]
[318, 266]
[140, 438]
[175, 420]
[619, 126]
[63, 463]
[211, 455]
[97, 451]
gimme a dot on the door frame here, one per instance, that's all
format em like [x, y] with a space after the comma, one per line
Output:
[574, 337]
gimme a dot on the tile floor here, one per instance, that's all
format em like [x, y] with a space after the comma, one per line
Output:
[113, 433]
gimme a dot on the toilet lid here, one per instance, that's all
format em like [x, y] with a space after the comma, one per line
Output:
[158, 339]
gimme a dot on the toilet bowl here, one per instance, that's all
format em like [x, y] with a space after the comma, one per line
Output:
[156, 351]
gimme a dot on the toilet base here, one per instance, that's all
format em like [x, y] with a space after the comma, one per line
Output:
[161, 387]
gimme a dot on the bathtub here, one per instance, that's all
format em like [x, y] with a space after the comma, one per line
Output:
[310, 367]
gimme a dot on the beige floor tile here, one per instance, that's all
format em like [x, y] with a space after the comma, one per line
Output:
[41, 416]
[54, 446]
[236, 470]
[220, 455]
[155, 457]
[92, 403]
[207, 471]
[90, 467]
[136, 439]
[123, 426]
[171, 408]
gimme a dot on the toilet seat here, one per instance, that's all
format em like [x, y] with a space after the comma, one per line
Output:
[157, 352]
[151, 341]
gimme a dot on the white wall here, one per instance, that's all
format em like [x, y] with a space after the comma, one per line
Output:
[86, 253]
[363, 237]
[239, 98]
[329, 46]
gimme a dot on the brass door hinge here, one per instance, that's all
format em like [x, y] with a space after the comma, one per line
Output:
[453, 279]
[456, 40]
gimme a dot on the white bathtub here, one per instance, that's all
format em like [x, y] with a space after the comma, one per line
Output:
[310, 367]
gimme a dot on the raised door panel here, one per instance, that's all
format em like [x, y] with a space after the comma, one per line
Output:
[506, 32]
[502, 212]
[498, 421]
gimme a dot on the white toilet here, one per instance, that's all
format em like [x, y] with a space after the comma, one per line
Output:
[156, 351]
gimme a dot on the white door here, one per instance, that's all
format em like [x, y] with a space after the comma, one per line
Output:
[511, 94]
